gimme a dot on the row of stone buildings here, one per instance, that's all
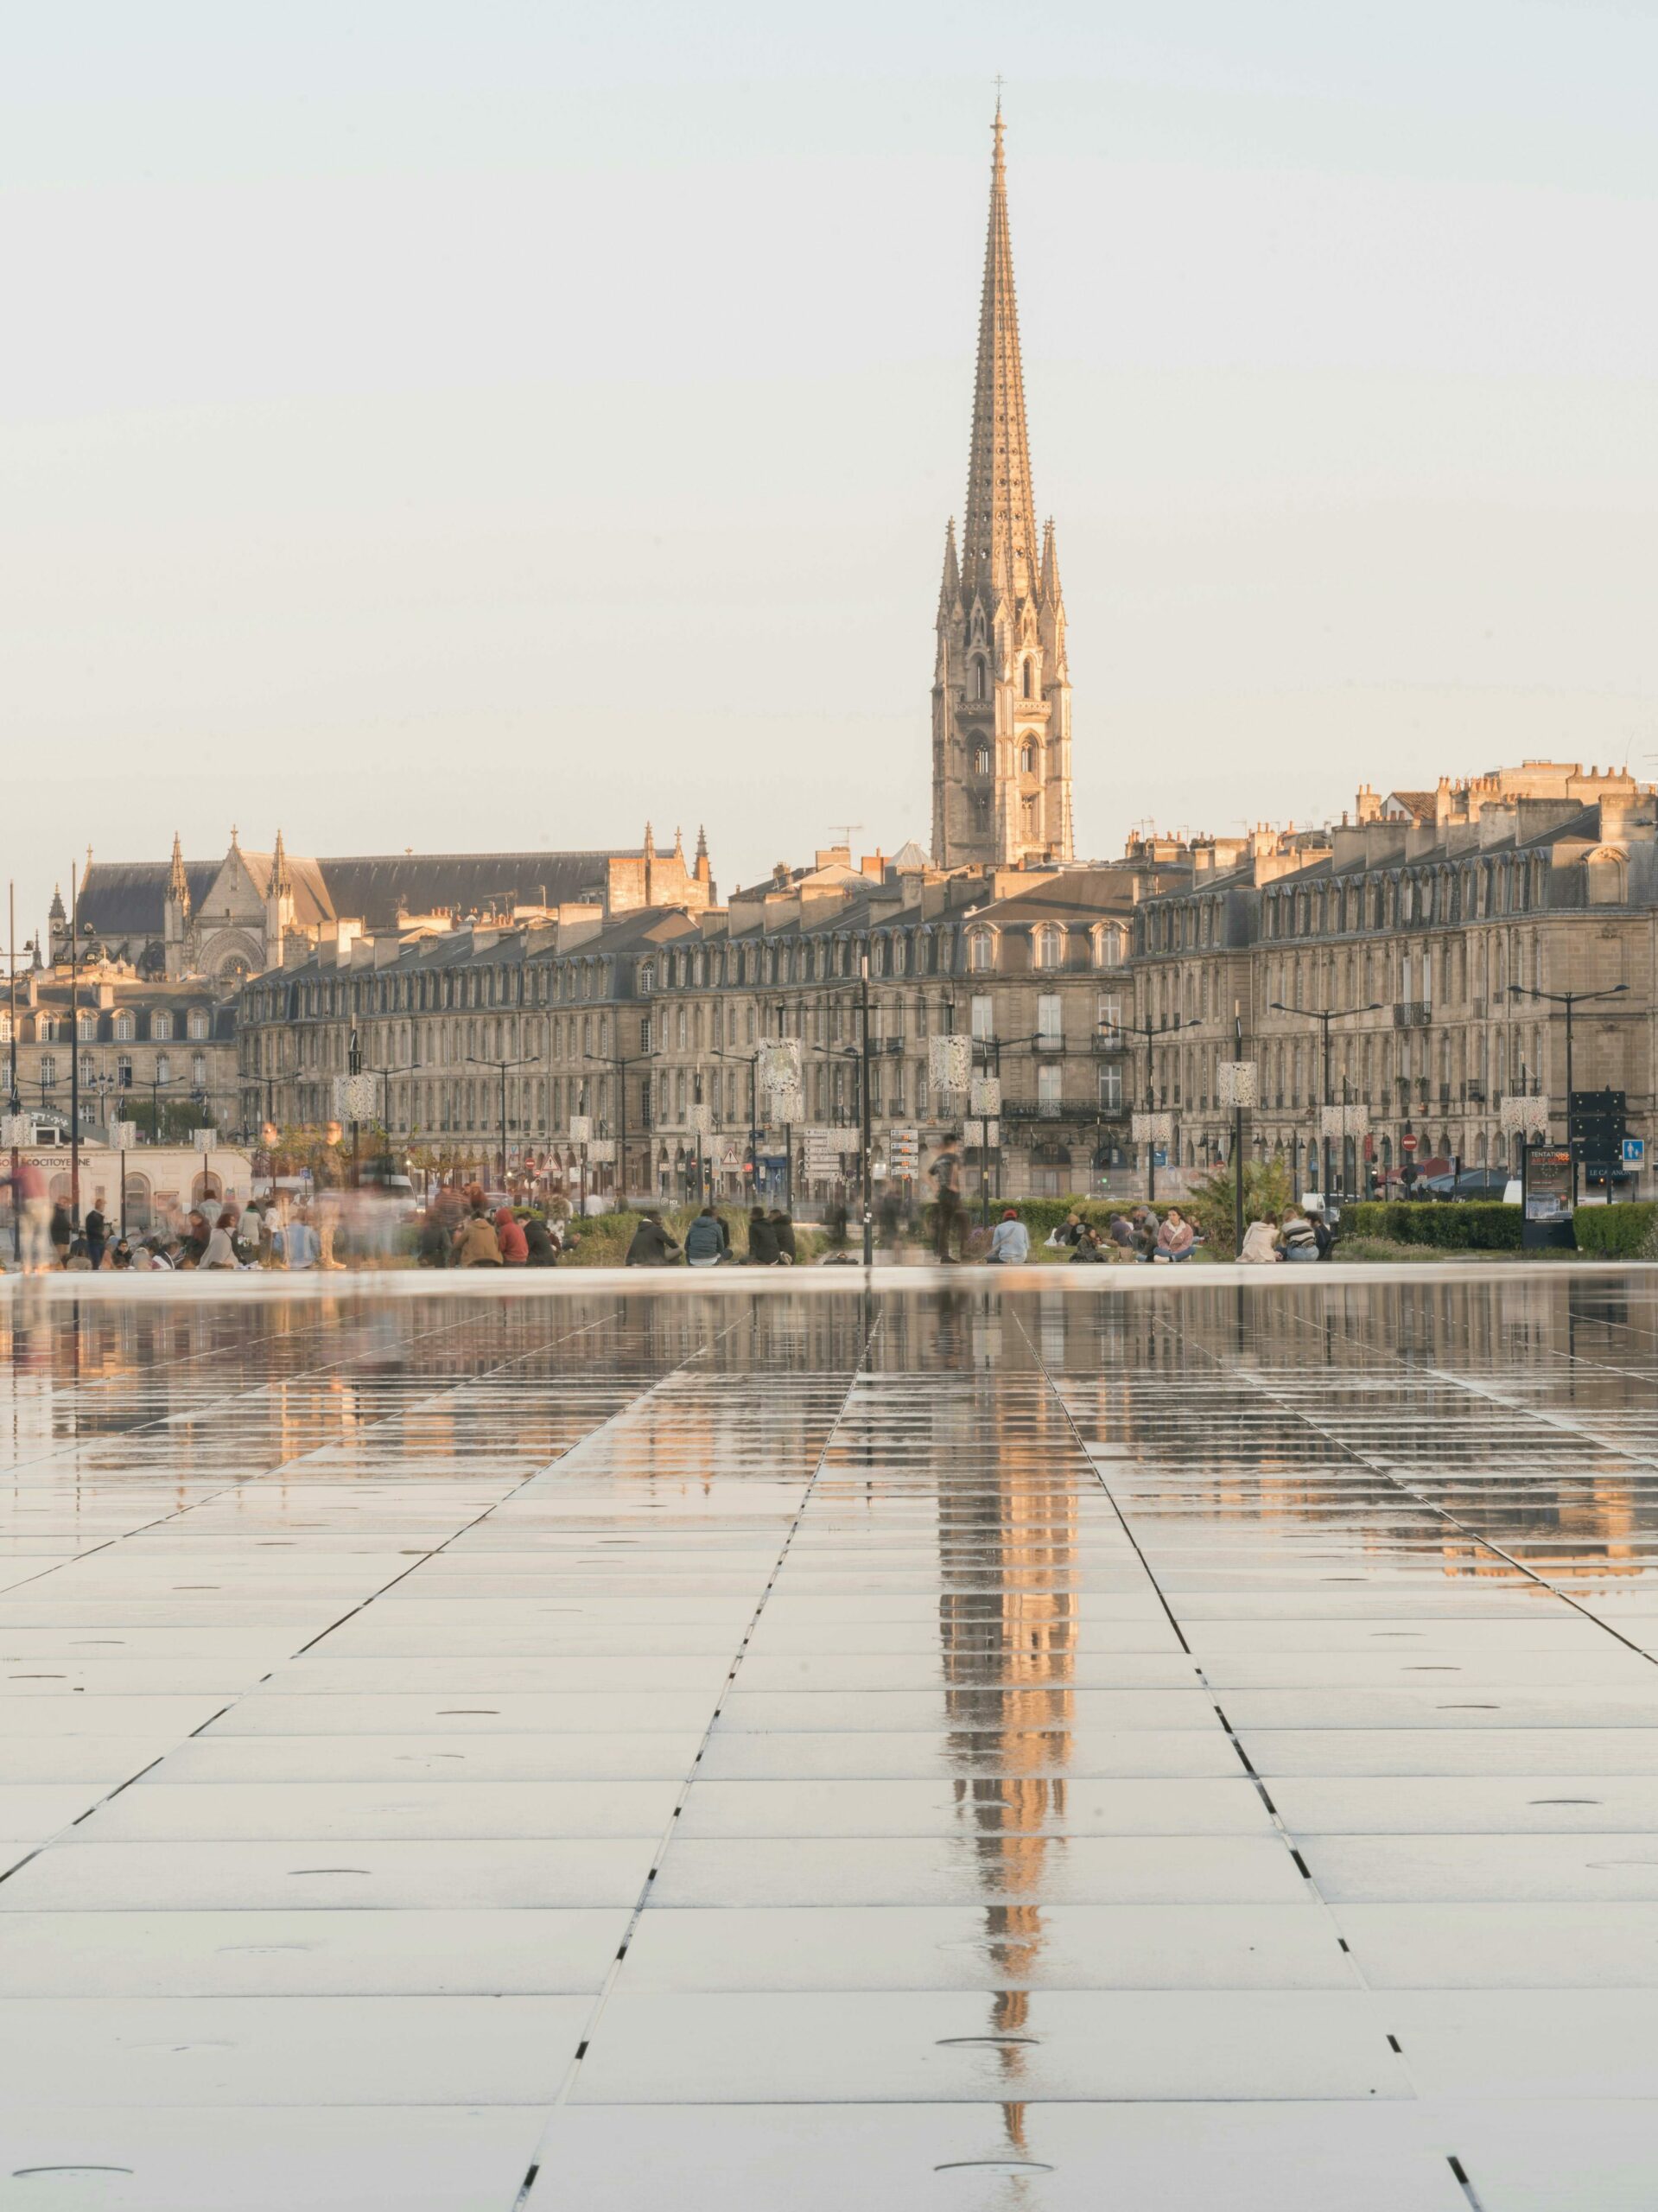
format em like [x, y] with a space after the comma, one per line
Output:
[1420, 924]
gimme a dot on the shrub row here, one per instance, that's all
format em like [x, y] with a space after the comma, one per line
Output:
[1465, 1227]
[1616, 1232]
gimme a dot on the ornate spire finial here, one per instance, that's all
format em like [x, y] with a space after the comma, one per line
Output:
[178, 884]
[650, 843]
[998, 551]
[280, 883]
[701, 841]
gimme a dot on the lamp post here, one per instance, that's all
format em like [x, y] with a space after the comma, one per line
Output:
[1568, 1000]
[1323, 1016]
[501, 1067]
[621, 1065]
[753, 1061]
[14, 1102]
[1152, 1031]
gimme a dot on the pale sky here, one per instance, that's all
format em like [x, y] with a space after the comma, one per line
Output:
[455, 426]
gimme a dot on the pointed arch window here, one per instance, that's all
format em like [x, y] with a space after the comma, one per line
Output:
[1027, 754]
[982, 760]
[1029, 677]
[978, 679]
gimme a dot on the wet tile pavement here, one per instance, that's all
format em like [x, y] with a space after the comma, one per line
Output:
[956, 1747]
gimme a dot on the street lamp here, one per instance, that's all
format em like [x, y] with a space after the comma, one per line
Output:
[501, 1067]
[1568, 1000]
[1323, 1016]
[621, 1065]
[1151, 1031]
[14, 1103]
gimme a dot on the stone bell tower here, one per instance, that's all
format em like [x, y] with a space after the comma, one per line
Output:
[1001, 693]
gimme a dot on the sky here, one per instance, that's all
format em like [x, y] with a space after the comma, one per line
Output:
[456, 427]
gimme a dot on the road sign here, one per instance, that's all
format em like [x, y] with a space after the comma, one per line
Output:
[1634, 1151]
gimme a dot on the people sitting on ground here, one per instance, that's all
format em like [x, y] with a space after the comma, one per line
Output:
[1010, 1241]
[434, 1245]
[1323, 1228]
[652, 1246]
[707, 1241]
[1297, 1237]
[762, 1240]
[509, 1237]
[298, 1242]
[476, 1244]
[79, 1261]
[784, 1229]
[120, 1255]
[1119, 1230]
[540, 1248]
[1259, 1244]
[1067, 1233]
[1176, 1238]
[219, 1253]
[1089, 1250]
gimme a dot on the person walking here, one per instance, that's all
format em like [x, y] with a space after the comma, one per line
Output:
[1010, 1241]
[61, 1234]
[946, 1173]
[762, 1240]
[34, 1205]
[96, 1229]
[707, 1241]
[652, 1246]
[889, 1216]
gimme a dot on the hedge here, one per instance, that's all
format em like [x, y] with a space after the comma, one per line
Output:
[1615, 1232]
[1468, 1226]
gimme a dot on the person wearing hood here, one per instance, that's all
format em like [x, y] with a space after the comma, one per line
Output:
[540, 1251]
[509, 1235]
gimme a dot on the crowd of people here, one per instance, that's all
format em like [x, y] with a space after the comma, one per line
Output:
[769, 1238]
[462, 1229]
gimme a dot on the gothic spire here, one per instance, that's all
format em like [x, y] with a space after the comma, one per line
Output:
[1050, 592]
[280, 882]
[178, 884]
[950, 590]
[701, 841]
[999, 550]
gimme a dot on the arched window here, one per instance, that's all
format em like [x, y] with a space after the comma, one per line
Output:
[86, 1025]
[199, 1022]
[1050, 945]
[1027, 754]
[160, 1023]
[647, 975]
[980, 953]
[124, 1028]
[982, 760]
[978, 679]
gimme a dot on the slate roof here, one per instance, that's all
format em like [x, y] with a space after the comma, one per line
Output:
[128, 898]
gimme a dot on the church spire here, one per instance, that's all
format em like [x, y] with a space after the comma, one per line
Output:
[178, 884]
[281, 883]
[999, 533]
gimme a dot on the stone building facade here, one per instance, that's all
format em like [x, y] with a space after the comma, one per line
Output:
[151, 1051]
[1424, 924]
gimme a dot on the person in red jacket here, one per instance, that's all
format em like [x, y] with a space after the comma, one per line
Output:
[509, 1232]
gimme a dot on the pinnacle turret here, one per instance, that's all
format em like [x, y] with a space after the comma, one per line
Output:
[280, 882]
[178, 883]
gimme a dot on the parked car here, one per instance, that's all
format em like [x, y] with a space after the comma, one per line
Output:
[1489, 1184]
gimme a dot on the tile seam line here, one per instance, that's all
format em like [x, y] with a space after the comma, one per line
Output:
[127, 1781]
[1280, 1827]
[211, 1497]
[229, 1398]
[1409, 1367]
[607, 1988]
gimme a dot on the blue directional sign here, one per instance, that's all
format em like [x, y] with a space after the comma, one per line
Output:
[1634, 1151]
